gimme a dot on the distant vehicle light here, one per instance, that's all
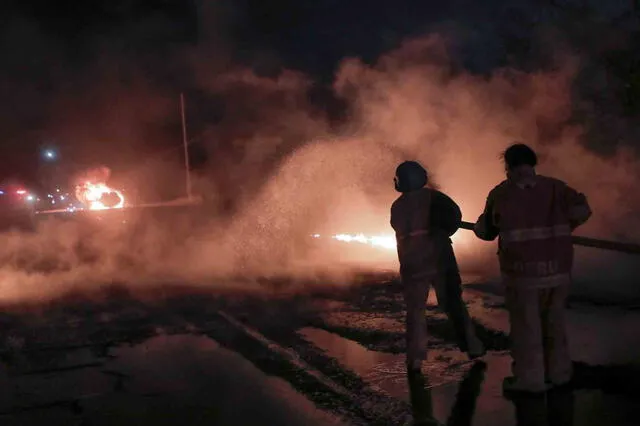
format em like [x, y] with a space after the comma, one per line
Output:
[21, 192]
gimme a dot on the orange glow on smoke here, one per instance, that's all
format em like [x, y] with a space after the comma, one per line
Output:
[462, 238]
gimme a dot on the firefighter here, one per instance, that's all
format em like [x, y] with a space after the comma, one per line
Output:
[426, 259]
[534, 216]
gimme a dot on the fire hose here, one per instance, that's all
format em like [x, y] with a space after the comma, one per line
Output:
[629, 248]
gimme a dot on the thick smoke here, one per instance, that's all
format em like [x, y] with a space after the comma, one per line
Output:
[282, 172]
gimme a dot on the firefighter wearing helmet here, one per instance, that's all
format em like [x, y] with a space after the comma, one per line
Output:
[424, 220]
[534, 216]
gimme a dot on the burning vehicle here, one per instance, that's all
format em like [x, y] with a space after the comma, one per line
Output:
[92, 192]
[99, 196]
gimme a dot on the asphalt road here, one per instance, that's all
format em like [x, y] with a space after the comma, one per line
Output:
[323, 357]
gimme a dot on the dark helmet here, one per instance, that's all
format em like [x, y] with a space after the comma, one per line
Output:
[410, 176]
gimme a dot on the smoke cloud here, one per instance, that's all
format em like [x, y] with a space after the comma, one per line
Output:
[280, 171]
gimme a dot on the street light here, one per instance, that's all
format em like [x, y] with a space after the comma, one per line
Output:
[49, 154]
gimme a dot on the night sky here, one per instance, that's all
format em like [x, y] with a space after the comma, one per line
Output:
[82, 59]
[54, 53]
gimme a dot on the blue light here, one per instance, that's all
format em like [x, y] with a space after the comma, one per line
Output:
[49, 154]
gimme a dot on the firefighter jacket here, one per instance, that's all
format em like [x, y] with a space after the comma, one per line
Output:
[533, 221]
[410, 216]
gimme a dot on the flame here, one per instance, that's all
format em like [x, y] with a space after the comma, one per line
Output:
[388, 241]
[91, 194]
[383, 241]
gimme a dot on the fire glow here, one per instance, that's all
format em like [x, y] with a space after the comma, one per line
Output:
[92, 195]
[385, 241]
[382, 241]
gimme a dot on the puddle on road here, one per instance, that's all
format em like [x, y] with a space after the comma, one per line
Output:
[387, 372]
[353, 355]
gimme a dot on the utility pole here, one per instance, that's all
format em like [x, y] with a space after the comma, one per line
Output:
[186, 149]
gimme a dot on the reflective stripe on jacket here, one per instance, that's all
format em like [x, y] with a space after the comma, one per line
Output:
[410, 215]
[540, 233]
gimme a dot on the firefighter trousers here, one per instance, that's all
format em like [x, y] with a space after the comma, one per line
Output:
[539, 345]
[448, 288]
[416, 290]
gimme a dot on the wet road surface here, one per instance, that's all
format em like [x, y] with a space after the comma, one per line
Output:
[165, 380]
[322, 358]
